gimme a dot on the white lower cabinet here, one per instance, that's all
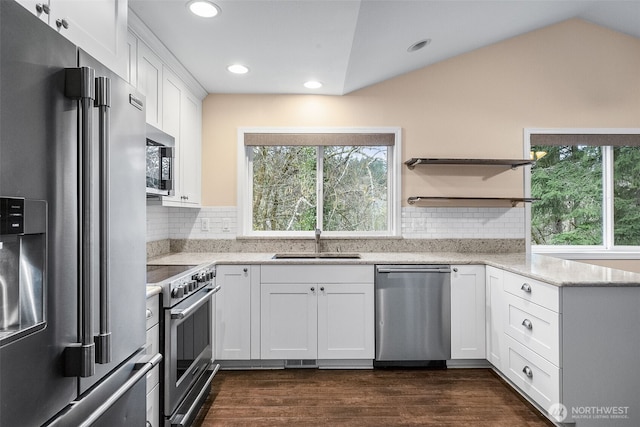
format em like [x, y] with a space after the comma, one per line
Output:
[233, 313]
[532, 373]
[320, 312]
[346, 321]
[533, 326]
[493, 315]
[468, 312]
[531, 337]
[153, 406]
[288, 321]
[153, 347]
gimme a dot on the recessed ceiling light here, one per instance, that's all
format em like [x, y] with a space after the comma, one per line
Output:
[312, 84]
[237, 69]
[418, 45]
[203, 8]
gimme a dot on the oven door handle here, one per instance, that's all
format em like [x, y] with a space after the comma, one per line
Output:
[181, 314]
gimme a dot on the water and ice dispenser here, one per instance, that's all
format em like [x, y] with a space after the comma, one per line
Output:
[23, 227]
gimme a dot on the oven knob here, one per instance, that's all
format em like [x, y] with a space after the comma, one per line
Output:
[177, 292]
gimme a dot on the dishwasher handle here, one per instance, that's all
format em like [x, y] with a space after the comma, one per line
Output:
[417, 269]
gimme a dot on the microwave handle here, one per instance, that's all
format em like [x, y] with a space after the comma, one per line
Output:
[167, 153]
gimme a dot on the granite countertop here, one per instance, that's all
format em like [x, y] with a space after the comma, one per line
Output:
[548, 269]
[153, 290]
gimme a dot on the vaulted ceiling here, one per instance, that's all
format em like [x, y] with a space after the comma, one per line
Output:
[350, 44]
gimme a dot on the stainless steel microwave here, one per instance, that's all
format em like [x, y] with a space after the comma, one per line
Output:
[160, 165]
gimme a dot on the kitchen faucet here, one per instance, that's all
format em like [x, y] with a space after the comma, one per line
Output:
[318, 231]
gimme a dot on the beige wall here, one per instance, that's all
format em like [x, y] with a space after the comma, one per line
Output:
[573, 74]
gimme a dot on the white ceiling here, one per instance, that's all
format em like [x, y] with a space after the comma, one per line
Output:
[349, 44]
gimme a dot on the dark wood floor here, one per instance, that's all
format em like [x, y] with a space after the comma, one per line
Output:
[307, 397]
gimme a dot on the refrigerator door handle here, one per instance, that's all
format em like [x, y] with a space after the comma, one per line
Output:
[80, 357]
[103, 103]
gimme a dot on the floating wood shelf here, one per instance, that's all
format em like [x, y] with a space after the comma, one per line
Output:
[513, 163]
[513, 200]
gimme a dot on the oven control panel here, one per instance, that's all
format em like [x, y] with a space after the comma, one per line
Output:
[191, 281]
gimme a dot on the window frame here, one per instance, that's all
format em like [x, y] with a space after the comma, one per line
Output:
[245, 183]
[607, 250]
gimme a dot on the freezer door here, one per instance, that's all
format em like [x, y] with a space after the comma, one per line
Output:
[125, 208]
[119, 400]
[38, 160]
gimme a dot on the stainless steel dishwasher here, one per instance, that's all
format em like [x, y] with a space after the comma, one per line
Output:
[413, 315]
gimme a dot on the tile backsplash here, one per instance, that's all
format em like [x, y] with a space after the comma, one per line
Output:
[462, 223]
[417, 223]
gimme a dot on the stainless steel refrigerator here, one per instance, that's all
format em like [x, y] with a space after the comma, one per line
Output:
[72, 243]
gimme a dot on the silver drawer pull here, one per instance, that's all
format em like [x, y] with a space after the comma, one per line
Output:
[527, 371]
[526, 287]
[527, 324]
[149, 313]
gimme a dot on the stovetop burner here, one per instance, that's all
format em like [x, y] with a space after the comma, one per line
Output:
[160, 273]
[179, 282]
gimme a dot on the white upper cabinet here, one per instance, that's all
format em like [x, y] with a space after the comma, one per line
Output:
[173, 105]
[98, 26]
[132, 59]
[190, 184]
[40, 8]
[149, 81]
[181, 118]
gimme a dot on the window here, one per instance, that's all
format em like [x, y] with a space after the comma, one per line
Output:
[344, 183]
[568, 181]
[589, 192]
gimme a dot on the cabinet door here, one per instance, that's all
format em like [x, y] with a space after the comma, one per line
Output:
[171, 107]
[345, 321]
[233, 314]
[99, 27]
[288, 315]
[181, 118]
[468, 312]
[132, 59]
[494, 309]
[190, 149]
[150, 83]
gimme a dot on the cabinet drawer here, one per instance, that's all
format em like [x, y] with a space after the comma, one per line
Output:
[153, 340]
[316, 274]
[533, 326]
[153, 406]
[153, 311]
[153, 377]
[532, 290]
[534, 375]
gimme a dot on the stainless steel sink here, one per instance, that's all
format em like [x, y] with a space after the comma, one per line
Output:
[314, 255]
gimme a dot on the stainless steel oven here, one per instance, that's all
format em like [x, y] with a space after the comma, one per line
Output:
[188, 339]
